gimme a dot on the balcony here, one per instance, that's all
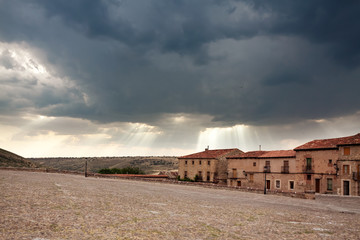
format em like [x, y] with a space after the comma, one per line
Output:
[267, 169]
[284, 169]
[308, 169]
[356, 176]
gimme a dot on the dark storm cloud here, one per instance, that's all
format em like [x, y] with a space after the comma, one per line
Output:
[138, 60]
[324, 22]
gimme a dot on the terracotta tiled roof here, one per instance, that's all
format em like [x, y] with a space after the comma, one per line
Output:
[252, 154]
[278, 154]
[331, 143]
[210, 153]
[266, 154]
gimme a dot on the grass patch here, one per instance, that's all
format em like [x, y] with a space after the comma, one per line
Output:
[126, 170]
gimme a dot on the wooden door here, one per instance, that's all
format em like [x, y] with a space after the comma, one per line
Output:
[267, 184]
[317, 185]
[346, 188]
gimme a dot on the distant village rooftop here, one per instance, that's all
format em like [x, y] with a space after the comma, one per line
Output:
[265, 154]
[331, 143]
[209, 154]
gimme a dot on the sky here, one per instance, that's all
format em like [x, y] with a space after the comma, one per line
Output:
[171, 77]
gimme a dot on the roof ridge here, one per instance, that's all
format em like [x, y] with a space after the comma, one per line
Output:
[210, 153]
[330, 143]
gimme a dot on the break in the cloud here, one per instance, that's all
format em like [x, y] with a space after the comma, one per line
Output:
[189, 72]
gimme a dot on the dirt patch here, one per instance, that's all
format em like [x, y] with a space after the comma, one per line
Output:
[59, 206]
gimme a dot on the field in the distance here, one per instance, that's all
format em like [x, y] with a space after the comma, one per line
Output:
[150, 165]
[62, 206]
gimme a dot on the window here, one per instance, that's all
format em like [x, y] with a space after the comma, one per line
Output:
[285, 168]
[254, 164]
[308, 163]
[267, 166]
[209, 163]
[329, 184]
[200, 162]
[234, 173]
[251, 177]
[308, 177]
[192, 162]
[346, 169]
[277, 183]
[208, 176]
[185, 174]
[346, 150]
[185, 162]
[239, 183]
[291, 185]
[330, 164]
[200, 175]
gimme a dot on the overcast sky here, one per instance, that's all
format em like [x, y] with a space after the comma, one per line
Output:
[170, 77]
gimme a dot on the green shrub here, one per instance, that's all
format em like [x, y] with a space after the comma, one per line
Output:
[186, 179]
[196, 179]
[126, 170]
[105, 171]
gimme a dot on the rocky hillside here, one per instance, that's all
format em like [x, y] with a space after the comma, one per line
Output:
[9, 159]
[150, 164]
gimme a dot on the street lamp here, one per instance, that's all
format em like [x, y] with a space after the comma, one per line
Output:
[265, 170]
[85, 170]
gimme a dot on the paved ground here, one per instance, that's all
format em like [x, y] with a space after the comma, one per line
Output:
[55, 206]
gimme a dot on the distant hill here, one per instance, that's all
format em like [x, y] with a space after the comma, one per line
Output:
[150, 165]
[9, 159]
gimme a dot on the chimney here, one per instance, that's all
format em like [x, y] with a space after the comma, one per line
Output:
[259, 147]
[207, 148]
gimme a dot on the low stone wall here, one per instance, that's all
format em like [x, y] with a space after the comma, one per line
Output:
[41, 170]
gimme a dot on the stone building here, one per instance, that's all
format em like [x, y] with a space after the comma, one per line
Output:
[327, 166]
[330, 166]
[208, 165]
[248, 170]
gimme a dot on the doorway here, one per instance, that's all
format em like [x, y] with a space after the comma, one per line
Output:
[268, 184]
[346, 188]
[317, 185]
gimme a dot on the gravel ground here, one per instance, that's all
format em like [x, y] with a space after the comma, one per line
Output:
[56, 206]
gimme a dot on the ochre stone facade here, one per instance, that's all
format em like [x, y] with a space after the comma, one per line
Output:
[248, 170]
[314, 168]
[208, 166]
[326, 166]
[349, 170]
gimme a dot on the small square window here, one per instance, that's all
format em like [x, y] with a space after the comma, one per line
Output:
[346, 169]
[330, 161]
[308, 177]
[192, 162]
[254, 164]
[199, 162]
[185, 162]
[209, 163]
